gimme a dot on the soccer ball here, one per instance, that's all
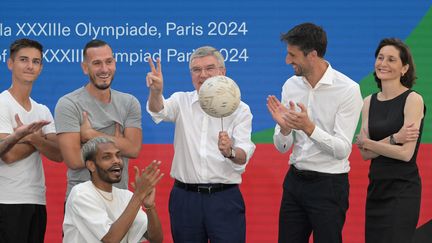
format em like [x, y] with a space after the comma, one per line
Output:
[219, 96]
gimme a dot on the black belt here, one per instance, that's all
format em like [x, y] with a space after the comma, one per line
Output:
[311, 175]
[203, 188]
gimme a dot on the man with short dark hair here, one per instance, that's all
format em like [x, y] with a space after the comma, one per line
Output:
[98, 212]
[317, 117]
[22, 182]
[95, 110]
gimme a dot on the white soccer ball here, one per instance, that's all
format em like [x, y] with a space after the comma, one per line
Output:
[219, 96]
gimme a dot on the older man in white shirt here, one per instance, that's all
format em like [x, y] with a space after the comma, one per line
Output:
[205, 202]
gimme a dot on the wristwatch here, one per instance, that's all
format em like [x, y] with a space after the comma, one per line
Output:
[393, 141]
[233, 154]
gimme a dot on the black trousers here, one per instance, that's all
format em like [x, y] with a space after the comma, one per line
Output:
[313, 202]
[22, 223]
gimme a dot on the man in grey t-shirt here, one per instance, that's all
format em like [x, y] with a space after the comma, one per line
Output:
[97, 110]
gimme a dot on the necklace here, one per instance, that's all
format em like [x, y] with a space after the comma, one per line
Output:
[102, 194]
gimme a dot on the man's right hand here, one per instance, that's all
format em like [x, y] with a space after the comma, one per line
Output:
[154, 78]
[86, 130]
[22, 130]
[279, 112]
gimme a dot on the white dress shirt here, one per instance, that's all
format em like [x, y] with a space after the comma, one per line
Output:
[197, 158]
[334, 106]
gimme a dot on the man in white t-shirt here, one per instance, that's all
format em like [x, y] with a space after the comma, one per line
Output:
[96, 211]
[22, 182]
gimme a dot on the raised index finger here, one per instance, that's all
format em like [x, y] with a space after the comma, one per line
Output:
[159, 65]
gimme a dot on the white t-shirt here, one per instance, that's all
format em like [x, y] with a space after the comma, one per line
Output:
[22, 182]
[89, 215]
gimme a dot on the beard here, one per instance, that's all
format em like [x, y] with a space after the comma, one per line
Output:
[101, 86]
[104, 175]
[298, 71]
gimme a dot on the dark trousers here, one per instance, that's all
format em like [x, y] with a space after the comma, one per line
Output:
[200, 217]
[22, 223]
[313, 202]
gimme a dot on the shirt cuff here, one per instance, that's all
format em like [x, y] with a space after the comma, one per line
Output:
[282, 139]
[283, 143]
[157, 117]
[238, 168]
[319, 135]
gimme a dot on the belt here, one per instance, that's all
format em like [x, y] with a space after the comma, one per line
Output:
[203, 188]
[311, 175]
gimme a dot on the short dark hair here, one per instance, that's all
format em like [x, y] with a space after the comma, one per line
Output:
[408, 79]
[94, 43]
[307, 37]
[24, 43]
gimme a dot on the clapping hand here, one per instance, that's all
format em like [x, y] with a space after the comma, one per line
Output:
[145, 182]
[22, 130]
[278, 112]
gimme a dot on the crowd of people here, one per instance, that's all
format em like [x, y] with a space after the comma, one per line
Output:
[96, 130]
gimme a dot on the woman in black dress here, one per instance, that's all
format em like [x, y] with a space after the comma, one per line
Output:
[392, 122]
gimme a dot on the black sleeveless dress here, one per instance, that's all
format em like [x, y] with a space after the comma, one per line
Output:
[394, 191]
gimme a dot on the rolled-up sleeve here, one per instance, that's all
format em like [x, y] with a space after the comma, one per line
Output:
[242, 136]
[168, 111]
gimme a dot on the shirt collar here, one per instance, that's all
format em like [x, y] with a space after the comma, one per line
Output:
[195, 96]
[327, 78]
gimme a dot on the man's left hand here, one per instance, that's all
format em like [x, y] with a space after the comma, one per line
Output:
[224, 144]
[300, 120]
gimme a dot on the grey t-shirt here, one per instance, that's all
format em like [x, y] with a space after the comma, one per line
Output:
[123, 109]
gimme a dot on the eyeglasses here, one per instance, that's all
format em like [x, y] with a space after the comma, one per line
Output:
[211, 69]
